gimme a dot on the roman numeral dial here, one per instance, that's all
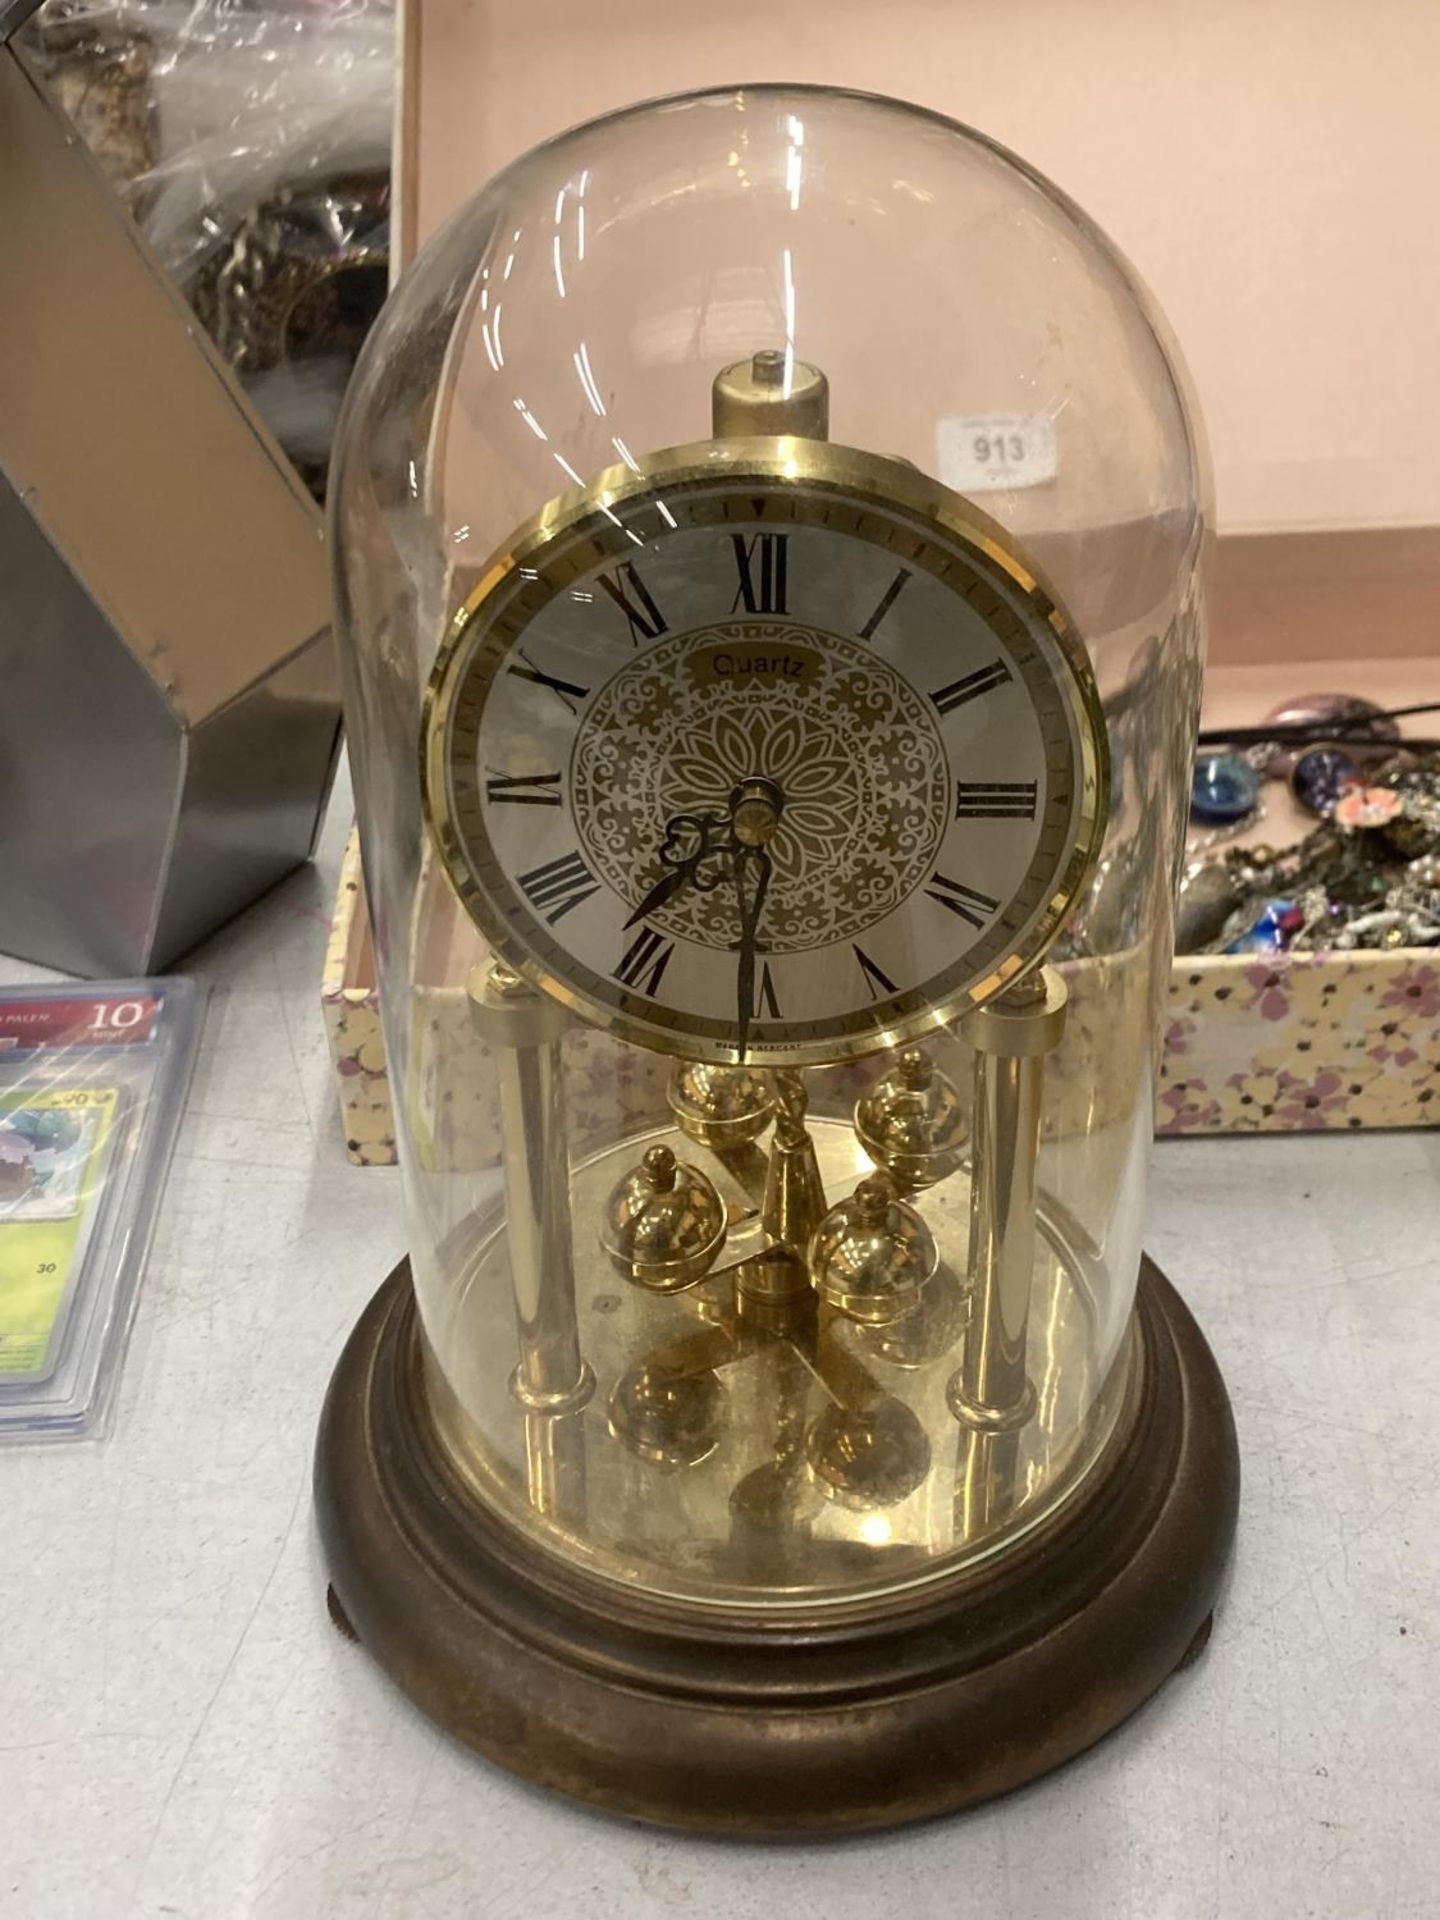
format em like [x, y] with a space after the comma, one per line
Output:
[995, 799]
[968, 902]
[767, 1004]
[763, 565]
[877, 981]
[809, 632]
[887, 600]
[632, 596]
[524, 789]
[970, 687]
[643, 963]
[566, 691]
[556, 886]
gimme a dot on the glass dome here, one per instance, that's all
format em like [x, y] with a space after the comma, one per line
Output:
[606, 1223]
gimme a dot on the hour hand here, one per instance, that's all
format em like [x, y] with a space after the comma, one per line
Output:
[690, 840]
[665, 888]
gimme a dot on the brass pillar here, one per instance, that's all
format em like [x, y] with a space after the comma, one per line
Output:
[991, 1394]
[552, 1379]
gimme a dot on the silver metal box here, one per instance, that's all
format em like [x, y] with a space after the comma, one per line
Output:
[169, 705]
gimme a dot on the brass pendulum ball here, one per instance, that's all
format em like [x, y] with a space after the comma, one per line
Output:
[912, 1124]
[872, 1256]
[720, 1107]
[664, 1224]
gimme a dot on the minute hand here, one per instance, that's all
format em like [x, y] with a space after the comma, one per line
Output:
[751, 907]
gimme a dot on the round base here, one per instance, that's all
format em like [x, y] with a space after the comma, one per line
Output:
[834, 1718]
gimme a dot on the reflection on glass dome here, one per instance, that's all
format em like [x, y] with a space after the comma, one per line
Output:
[769, 531]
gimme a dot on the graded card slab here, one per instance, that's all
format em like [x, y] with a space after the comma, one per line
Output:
[92, 1088]
[54, 1146]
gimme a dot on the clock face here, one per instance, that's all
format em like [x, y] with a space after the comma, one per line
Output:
[771, 751]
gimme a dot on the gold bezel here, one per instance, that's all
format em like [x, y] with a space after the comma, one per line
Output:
[590, 519]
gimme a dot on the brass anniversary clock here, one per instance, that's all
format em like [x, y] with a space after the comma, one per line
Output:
[776, 1425]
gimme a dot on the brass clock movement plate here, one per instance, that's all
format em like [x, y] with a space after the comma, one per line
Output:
[765, 750]
[697, 1412]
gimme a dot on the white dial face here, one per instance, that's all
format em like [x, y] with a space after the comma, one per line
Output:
[768, 761]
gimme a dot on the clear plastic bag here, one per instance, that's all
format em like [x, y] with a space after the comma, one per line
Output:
[240, 100]
[252, 144]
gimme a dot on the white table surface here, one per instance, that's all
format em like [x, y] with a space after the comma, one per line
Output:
[184, 1733]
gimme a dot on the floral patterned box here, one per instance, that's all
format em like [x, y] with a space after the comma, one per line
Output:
[1291, 1044]
[1301, 1042]
[351, 1006]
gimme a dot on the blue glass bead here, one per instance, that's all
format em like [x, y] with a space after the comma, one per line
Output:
[1321, 776]
[1225, 788]
[1273, 931]
[1326, 709]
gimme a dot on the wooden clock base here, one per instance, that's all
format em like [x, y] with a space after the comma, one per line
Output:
[834, 1720]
